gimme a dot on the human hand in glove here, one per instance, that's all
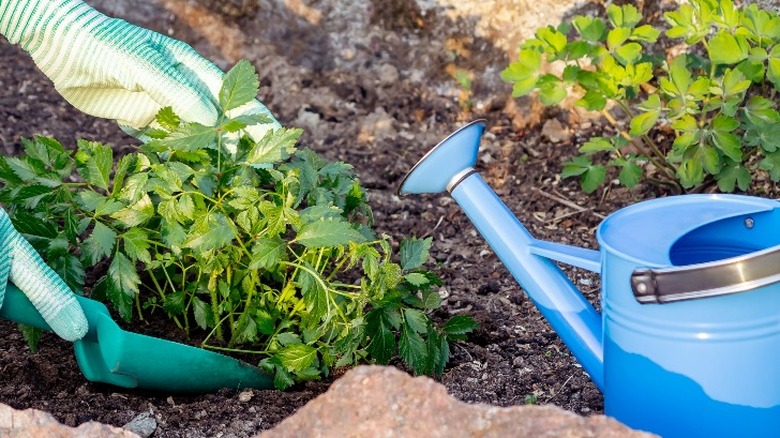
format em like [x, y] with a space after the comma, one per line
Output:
[109, 68]
[56, 303]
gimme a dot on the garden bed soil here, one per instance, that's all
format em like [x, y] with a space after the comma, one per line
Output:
[381, 125]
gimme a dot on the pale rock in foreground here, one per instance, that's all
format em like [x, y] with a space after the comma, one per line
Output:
[32, 423]
[385, 402]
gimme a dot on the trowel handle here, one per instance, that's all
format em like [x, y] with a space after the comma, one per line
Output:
[704, 280]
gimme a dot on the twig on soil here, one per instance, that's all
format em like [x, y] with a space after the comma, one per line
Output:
[433, 229]
[552, 396]
[568, 203]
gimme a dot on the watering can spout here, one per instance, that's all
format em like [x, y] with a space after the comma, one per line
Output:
[449, 167]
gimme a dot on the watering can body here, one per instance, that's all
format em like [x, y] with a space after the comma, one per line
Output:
[693, 367]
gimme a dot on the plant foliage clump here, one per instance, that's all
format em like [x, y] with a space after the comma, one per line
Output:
[718, 97]
[266, 248]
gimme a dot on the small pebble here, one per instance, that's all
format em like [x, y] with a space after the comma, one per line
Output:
[245, 396]
[143, 424]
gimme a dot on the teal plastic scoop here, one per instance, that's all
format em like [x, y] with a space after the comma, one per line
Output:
[108, 354]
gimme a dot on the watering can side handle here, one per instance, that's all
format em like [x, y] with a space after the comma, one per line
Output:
[587, 259]
[703, 280]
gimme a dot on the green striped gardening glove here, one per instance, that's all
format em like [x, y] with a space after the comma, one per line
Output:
[20, 264]
[109, 68]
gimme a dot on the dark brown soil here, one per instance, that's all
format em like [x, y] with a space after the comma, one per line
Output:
[513, 358]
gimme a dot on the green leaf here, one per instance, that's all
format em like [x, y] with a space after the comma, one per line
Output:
[68, 267]
[382, 341]
[416, 279]
[328, 232]
[412, 349]
[414, 252]
[771, 163]
[29, 225]
[645, 34]
[643, 122]
[416, 320]
[725, 48]
[136, 245]
[592, 101]
[597, 144]
[625, 16]
[297, 357]
[459, 325]
[554, 40]
[773, 67]
[190, 137]
[168, 119]
[239, 86]
[732, 176]
[94, 161]
[135, 214]
[591, 29]
[524, 72]
[617, 36]
[267, 253]
[630, 173]
[204, 316]
[591, 175]
[551, 90]
[274, 147]
[99, 244]
[628, 53]
[210, 231]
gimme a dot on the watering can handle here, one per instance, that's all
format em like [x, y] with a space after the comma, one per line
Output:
[722, 277]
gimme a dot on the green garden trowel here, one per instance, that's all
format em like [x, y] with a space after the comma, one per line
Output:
[108, 354]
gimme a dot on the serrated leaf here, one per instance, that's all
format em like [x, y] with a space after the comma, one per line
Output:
[136, 214]
[204, 316]
[100, 243]
[414, 252]
[239, 86]
[382, 344]
[174, 303]
[297, 357]
[267, 253]
[555, 41]
[94, 161]
[211, 231]
[416, 279]
[29, 225]
[273, 148]
[628, 53]
[315, 295]
[245, 331]
[328, 232]
[416, 320]
[459, 325]
[771, 163]
[190, 137]
[412, 350]
[136, 245]
[168, 119]
[122, 285]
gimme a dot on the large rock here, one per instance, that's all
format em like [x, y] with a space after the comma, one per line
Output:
[383, 401]
[32, 423]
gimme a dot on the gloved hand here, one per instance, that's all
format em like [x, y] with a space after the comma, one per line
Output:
[46, 290]
[109, 68]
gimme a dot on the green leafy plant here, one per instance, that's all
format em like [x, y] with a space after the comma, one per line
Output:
[718, 97]
[265, 248]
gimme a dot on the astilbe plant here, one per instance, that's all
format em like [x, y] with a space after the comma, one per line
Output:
[266, 248]
[718, 96]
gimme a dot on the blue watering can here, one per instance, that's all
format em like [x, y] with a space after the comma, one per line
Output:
[688, 340]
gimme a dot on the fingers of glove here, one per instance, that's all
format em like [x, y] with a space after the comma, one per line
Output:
[45, 289]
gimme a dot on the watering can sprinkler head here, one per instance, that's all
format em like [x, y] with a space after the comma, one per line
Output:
[444, 166]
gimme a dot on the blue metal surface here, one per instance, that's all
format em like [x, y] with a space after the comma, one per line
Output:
[704, 367]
